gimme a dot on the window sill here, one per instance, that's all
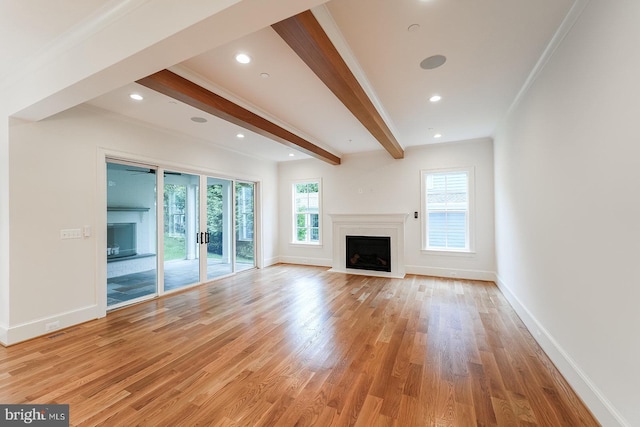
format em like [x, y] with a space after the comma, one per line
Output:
[442, 252]
[306, 245]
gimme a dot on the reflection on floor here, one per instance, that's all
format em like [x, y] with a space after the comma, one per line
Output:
[177, 274]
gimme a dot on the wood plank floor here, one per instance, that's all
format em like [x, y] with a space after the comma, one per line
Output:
[292, 345]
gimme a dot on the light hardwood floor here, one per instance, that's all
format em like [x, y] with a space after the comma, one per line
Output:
[292, 345]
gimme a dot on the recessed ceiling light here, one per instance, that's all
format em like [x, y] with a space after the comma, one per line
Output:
[413, 27]
[264, 75]
[291, 154]
[432, 62]
[136, 96]
[437, 135]
[240, 135]
[243, 58]
[198, 119]
[435, 98]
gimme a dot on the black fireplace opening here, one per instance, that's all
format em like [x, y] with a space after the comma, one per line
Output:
[369, 253]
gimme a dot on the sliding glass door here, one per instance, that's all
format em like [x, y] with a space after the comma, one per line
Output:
[206, 230]
[245, 225]
[131, 234]
[218, 248]
[181, 224]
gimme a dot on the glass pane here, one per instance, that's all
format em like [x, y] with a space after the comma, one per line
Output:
[307, 208]
[219, 258]
[437, 230]
[181, 206]
[301, 234]
[245, 245]
[447, 206]
[447, 230]
[131, 234]
[456, 230]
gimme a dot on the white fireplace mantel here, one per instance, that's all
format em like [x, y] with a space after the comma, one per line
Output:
[384, 225]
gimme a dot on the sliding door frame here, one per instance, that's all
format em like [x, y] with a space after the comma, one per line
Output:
[105, 155]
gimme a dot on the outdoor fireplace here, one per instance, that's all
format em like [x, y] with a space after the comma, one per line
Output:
[368, 253]
[121, 240]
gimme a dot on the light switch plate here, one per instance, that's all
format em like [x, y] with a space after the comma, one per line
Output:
[70, 233]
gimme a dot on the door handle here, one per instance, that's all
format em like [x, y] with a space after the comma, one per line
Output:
[202, 237]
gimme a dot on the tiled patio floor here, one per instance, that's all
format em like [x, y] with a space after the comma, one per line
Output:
[176, 275]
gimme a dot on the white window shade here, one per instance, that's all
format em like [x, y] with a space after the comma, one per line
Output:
[447, 205]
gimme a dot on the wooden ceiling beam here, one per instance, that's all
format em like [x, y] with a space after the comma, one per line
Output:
[306, 37]
[181, 89]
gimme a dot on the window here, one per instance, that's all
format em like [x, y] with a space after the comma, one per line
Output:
[447, 201]
[306, 212]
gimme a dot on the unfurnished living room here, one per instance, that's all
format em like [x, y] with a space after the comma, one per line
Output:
[306, 212]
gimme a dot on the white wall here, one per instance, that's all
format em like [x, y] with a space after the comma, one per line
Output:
[567, 207]
[57, 181]
[4, 227]
[376, 183]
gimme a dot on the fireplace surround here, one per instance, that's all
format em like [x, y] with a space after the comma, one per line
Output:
[389, 226]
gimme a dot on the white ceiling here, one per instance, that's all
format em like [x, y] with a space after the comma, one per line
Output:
[27, 28]
[491, 48]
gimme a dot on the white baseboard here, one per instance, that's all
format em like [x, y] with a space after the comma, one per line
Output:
[599, 405]
[318, 262]
[489, 276]
[3, 336]
[36, 328]
[271, 261]
[451, 273]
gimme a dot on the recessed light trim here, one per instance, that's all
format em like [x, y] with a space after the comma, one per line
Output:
[291, 154]
[240, 135]
[199, 119]
[243, 58]
[435, 98]
[437, 135]
[136, 96]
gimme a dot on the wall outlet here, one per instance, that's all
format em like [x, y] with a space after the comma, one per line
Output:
[52, 326]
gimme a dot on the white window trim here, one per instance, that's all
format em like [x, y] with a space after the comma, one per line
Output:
[470, 250]
[293, 241]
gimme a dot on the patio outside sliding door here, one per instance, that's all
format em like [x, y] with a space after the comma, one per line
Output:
[131, 234]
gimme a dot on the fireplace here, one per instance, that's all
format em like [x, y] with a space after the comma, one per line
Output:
[121, 240]
[376, 229]
[368, 253]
